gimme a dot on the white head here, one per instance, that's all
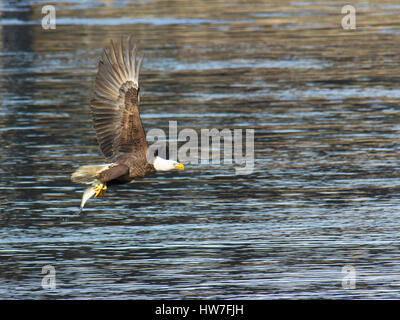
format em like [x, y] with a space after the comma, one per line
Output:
[161, 164]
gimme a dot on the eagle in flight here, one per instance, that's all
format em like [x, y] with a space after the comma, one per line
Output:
[116, 120]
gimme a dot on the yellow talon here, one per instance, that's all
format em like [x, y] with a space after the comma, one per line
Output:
[100, 189]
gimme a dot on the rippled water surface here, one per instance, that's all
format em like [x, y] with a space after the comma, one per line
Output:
[324, 192]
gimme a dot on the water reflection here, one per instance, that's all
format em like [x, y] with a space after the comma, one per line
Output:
[323, 194]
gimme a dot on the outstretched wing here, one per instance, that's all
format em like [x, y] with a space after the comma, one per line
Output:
[115, 106]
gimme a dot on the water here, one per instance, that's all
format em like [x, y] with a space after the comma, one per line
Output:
[324, 192]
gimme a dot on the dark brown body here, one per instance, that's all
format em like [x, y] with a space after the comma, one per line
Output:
[126, 169]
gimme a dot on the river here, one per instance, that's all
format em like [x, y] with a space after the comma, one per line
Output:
[315, 218]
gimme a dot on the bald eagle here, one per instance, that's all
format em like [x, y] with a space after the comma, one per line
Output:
[117, 123]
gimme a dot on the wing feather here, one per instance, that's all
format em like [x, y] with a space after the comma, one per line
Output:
[115, 106]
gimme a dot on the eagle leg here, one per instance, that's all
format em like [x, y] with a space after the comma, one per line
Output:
[99, 189]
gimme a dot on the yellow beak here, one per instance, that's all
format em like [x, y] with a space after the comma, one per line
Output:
[179, 166]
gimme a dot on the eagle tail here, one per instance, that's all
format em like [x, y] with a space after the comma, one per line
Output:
[88, 174]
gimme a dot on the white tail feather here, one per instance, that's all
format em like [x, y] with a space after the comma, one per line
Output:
[88, 174]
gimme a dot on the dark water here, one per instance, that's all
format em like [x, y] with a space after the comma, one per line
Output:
[324, 193]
